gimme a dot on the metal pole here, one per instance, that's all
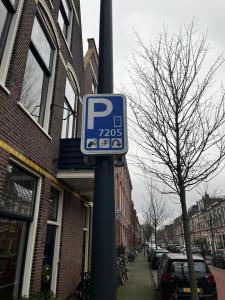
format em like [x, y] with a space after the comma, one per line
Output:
[103, 240]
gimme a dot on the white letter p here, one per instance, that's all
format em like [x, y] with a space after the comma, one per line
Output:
[98, 114]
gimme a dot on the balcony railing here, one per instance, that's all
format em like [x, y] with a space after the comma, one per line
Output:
[71, 158]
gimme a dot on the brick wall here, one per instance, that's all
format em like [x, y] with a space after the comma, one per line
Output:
[71, 246]
[18, 130]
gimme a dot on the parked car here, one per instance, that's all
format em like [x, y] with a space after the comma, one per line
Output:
[174, 248]
[156, 257]
[151, 250]
[174, 281]
[218, 258]
[194, 250]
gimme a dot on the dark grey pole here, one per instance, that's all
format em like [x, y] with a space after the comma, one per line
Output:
[103, 240]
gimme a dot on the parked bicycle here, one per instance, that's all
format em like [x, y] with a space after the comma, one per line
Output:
[121, 267]
[83, 288]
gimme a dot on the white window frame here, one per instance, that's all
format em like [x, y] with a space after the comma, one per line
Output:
[7, 54]
[32, 232]
[87, 237]
[58, 225]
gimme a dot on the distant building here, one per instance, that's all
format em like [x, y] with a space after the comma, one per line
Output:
[209, 221]
[169, 234]
[127, 225]
[178, 231]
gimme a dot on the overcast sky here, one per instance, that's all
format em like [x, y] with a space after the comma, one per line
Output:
[147, 17]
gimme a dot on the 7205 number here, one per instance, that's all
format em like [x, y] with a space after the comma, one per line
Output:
[110, 132]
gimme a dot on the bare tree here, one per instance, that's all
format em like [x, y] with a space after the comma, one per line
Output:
[180, 129]
[147, 230]
[156, 212]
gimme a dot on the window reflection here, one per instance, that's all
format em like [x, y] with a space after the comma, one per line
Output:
[53, 205]
[3, 14]
[14, 2]
[66, 8]
[41, 43]
[64, 17]
[19, 192]
[64, 123]
[69, 114]
[5, 20]
[12, 249]
[70, 126]
[32, 87]
[37, 73]
[62, 24]
[70, 94]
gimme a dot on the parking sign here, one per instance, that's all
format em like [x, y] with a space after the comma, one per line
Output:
[104, 125]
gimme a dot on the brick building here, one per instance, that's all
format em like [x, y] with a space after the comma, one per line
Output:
[208, 222]
[44, 206]
[46, 184]
[127, 224]
[169, 234]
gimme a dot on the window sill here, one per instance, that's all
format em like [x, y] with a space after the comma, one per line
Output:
[2, 86]
[35, 122]
[68, 48]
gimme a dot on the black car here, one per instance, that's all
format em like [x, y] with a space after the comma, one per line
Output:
[174, 281]
[156, 257]
[218, 258]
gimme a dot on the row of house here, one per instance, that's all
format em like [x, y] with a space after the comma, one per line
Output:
[46, 184]
[207, 223]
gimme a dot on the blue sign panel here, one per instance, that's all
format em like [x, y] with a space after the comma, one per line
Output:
[104, 125]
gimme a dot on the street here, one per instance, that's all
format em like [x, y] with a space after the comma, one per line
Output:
[219, 275]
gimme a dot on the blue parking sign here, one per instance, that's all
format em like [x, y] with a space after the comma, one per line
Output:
[104, 125]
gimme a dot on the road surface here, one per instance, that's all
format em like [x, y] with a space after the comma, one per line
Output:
[219, 275]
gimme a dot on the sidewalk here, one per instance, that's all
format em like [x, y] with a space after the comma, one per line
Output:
[140, 284]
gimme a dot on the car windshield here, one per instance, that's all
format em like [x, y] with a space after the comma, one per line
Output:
[182, 266]
[159, 254]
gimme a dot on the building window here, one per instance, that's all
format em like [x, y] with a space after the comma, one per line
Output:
[69, 113]
[7, 9]
[85, 248]
[13, 235]
[64, 18]
[16, 212]
[19, 193]
[37, 73]
[52, 242]
[53, 205]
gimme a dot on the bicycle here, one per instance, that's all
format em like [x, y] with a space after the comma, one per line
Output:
[122, 270]
[83, 288]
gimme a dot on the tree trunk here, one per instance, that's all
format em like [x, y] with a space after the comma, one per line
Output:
[156, 242]
[187, 238]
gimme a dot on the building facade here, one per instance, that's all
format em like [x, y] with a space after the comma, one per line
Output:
[127, 225]
[209, 222]
[44, 210]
